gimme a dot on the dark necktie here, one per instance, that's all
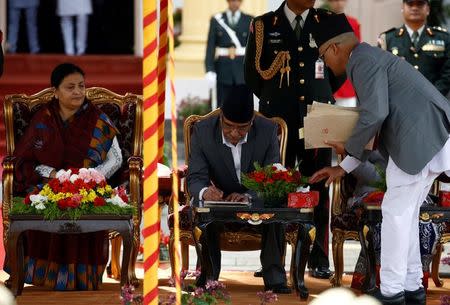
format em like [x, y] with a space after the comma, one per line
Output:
[415, 39]
[298, 27]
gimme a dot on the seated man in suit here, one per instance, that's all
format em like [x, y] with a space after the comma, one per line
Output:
[223, 147]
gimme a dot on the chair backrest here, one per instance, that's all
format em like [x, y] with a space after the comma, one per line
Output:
[124, 110]
[188, 128]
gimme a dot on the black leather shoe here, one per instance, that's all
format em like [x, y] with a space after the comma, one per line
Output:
[398, 299]
[280, 288]
[321, 273]
[416, 297]
[258, 273]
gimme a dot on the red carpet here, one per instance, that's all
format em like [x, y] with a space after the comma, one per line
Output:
[24, 73]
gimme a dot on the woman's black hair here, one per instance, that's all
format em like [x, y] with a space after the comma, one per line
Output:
[61, 71]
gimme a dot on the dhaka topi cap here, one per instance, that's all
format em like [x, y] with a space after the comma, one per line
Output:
[424, 1]
[238, 105]
[329, 27]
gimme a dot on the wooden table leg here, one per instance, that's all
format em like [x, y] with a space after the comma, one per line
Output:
[127, 237]
[304, 241]
[15, 248]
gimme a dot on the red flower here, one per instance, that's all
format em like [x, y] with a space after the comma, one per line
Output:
[99, 201]
[74, 170]
[27, 200]
[374, 197]
[67, 203]
[55, 185]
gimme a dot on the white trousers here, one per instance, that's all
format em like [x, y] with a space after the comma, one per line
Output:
[68, 34]
[401, 266]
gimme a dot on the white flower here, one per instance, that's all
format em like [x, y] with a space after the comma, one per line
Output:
[40, 206]
[116, 200]
[38, 201]
[73, 178]
[279, 167]
[301, 189]
[63, 175]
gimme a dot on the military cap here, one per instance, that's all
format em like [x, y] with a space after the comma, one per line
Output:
[238, 105]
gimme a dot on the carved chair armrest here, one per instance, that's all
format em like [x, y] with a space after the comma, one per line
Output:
[135, 164]
[182, 171]
[7, 189]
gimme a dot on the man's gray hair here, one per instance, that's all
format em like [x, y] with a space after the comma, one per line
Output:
[344, 38]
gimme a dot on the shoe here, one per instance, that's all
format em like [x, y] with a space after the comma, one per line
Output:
[279, 288]
[398, 299]
[258, 273]
[321, 273]
[416, 297]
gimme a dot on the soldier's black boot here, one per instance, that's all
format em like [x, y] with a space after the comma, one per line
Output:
[398, 299]
[416, 297]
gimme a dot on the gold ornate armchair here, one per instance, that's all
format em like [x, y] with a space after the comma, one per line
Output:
[126, 113]
[232, 239]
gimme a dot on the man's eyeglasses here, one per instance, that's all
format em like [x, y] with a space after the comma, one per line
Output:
[322, 56]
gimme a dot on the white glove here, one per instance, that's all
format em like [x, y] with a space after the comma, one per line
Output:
[211, 78]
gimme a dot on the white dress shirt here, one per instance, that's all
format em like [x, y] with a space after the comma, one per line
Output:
[233, 19]
[236, 151]
[411, 31]
[291, 16]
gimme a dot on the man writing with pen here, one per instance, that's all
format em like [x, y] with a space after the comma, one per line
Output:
[222, 148]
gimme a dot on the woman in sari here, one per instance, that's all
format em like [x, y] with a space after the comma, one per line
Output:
[68, 132]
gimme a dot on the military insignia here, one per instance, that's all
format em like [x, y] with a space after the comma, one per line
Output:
[401, 32]
[434, 45]
[274, 34]
[312, 42]
[317, 18]
[251, 29]
[274, 41]
[430, 32]
[275, 19]
[394, 51]
[382, 41]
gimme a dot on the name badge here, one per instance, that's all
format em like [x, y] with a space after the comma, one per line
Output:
[319, 71]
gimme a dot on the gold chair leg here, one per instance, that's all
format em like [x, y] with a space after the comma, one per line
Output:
[184, 255]
[435, 266]
[172, 254]
[338, 257]
[116, 244]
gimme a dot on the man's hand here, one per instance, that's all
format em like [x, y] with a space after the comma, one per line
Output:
[338, 146]
[212, 193]
[332, 173]
[236, 197]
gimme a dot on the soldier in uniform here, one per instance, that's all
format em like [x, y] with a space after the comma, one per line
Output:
[426, 48]
[283, 68]
[224, 61]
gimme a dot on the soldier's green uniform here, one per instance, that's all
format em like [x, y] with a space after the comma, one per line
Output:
[431, 57]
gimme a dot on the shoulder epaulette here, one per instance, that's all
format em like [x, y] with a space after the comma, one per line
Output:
[389, 31]
[440, 29]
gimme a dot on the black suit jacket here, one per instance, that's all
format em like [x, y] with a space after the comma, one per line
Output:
[211, 160]
[229, 71]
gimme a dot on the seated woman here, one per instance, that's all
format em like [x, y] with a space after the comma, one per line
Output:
[68, 132]
[357, 186]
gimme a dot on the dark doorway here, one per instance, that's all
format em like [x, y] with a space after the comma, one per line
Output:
[111, 28]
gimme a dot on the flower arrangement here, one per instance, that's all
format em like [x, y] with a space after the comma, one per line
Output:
[213, 292]
[128, 297]
[376, 197]
[163, 247]
[73, 193]
[273, 183]
[193, 105]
